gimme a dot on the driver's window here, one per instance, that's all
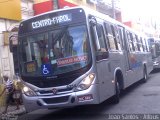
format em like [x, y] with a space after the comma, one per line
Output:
[100, 34]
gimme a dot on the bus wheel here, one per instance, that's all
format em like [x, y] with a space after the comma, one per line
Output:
[145, 76]
[117, 93]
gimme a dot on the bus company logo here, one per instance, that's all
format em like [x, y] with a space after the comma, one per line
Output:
[54, 90]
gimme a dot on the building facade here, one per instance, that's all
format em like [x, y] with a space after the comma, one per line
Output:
[15, 11]
[109, 7]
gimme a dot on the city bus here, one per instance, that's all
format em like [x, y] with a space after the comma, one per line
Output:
[154, 45]
[77, 56]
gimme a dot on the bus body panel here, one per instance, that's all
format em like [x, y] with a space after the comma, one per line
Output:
[38, 102]
[106, 87]
[129, 64]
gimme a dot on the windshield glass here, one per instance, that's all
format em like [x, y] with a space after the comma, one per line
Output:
[55, 52]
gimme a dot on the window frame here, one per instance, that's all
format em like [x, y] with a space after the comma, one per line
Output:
[110, 36]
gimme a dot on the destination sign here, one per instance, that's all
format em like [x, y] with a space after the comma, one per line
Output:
[52, 21]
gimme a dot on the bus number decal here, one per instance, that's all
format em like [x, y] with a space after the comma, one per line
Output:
[31, 66]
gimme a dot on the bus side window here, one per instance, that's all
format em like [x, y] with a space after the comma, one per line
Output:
[121, 36]
[131, 45]
[100, 33]
[103, 52]
[140, 44]
[115, 36]
[111, 42]
[118, 38]
[143, 46]
[135, 43]
[147, 47]
[99, 44]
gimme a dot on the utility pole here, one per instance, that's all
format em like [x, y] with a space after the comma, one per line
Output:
[55, 6]
[113, 9]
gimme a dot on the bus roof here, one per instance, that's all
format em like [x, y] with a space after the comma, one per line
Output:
[54, 11]
[89, 11]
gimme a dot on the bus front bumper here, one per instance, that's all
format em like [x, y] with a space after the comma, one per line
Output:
[89, 96]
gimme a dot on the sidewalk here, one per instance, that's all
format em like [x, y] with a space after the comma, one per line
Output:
[11, 110]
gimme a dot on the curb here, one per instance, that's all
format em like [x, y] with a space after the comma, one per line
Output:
[12, 111]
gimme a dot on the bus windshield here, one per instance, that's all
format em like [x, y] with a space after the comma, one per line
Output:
[55, 52]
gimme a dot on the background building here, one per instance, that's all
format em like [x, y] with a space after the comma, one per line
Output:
[142, 16]
[15, 11]
[109, 7]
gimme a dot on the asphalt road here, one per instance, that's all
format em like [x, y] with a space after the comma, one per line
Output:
[140, 98]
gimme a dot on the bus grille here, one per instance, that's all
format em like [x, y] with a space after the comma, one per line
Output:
[43, 92]
[56, 100]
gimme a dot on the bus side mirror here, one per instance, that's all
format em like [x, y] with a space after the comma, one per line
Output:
[10, 45]
[93, 23]
[96, 39]
[13, 41]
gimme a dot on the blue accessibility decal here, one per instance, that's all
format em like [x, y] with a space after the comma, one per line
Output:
[46, 69]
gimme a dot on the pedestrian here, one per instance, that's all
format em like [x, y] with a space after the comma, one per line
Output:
[9, 89]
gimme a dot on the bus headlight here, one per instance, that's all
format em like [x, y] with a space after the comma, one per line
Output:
[86, 82]
[28, 92]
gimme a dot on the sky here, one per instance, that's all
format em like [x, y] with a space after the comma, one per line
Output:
[140, 8]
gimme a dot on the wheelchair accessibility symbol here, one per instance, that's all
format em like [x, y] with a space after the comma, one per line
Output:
[46, 69]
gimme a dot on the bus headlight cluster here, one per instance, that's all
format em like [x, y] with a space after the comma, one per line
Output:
[28, 92]
[86, 82]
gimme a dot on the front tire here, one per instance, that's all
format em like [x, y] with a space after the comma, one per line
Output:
[145, 76]
[116, 97]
